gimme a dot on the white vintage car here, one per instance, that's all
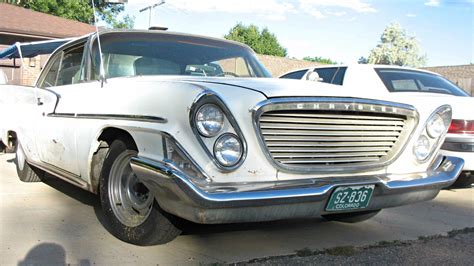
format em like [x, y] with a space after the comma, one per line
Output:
[423, 87]
[193, 127]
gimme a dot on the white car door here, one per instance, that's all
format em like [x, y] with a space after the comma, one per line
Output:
[56, 139]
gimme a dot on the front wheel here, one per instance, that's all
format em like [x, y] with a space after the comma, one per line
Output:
[130, 209]
[351, 217]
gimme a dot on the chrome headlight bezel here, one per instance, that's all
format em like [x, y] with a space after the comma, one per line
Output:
[230, 127]
[435, 137]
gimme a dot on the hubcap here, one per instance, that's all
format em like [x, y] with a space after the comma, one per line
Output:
[130, 199]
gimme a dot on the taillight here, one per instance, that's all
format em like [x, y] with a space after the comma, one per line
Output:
[461, 126]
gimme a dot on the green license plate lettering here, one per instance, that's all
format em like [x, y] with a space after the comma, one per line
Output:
[350, 198]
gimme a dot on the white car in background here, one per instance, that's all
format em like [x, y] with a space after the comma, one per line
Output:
[422, 85]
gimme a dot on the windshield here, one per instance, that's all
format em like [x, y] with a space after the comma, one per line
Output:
[139, 53]
[401, 80]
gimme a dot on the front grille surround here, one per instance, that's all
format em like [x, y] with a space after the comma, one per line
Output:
[287, 144]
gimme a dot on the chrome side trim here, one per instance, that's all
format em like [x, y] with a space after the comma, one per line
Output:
[336, 104]
[139, 118]
[61, 174]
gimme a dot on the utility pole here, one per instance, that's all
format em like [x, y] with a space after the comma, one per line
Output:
[150, 7]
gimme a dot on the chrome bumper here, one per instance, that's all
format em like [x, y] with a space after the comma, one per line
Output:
[177, 194]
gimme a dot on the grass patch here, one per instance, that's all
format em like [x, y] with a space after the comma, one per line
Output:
[341, 251]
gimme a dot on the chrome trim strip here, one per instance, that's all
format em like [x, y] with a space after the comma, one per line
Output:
[139, 118]
[62, 174]
[336, 104]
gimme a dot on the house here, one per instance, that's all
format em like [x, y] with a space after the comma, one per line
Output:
[24, 25]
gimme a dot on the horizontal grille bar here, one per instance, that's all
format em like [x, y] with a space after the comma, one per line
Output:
[300, 120]
[329, 160]
[274, 150]
[302, 126]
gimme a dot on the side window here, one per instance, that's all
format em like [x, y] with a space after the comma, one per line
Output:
[327, 74]
[65, 68]
[52, 75]
[339, 78]
[70, 69]
[294, 75]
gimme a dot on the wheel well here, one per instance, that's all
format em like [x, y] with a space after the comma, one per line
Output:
[105, 139]
[110, 134]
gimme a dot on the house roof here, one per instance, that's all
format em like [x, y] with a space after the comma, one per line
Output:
[25, 22]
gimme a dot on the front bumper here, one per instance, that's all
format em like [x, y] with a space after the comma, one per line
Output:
[460, 146]
[211, 204]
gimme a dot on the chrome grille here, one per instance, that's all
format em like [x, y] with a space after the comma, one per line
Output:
[300, 137]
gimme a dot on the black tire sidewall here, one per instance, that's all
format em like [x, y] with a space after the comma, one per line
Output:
[27, 174]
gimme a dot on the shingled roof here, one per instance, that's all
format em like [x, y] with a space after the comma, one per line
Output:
[21, 21]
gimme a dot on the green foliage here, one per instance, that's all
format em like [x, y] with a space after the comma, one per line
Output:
[262, 42]
[396, 47]
[321, 60]
[80, 10]
[362, 60]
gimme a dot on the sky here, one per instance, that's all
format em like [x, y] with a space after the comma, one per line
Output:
[342, 30]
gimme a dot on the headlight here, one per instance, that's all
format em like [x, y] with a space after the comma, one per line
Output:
[432, 136]
[436, 126]
[209, 120]
[422, 148]
[228, 150]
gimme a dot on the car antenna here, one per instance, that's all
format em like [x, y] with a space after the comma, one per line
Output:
[101, 61]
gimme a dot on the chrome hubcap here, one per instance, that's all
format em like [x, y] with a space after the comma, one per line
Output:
[130, 199]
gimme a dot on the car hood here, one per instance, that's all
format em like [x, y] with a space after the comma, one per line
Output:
[462, 106]
[273, 88]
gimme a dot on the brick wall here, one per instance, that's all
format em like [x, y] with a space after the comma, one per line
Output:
[281, 65]
[462, 75]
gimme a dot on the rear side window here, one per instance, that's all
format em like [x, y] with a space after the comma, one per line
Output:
[294, 75]
[327, 74]
[400, 80]
[339, 78]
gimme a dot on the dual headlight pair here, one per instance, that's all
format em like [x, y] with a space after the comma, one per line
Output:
[434, 131]
[218, 132]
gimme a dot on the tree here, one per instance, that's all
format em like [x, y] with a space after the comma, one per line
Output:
[319, 59]
[80, 11]
[396, 47]
[262, 42]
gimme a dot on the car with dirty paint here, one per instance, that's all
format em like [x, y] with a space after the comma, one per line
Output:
[424, 87]
[166, 126]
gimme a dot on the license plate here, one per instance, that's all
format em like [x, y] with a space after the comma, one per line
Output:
[350, 198]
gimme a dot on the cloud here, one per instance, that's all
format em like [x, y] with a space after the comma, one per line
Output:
[324, 8]
[433, 3]
[410, 15]
[267, 9]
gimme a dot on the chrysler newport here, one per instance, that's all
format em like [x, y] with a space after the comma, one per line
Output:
[166, 126]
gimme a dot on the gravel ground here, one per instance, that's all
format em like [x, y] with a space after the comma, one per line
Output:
[455, 248]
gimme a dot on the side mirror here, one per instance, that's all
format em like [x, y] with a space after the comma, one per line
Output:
[313, 76]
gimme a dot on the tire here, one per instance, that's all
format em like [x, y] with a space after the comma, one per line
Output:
[25, 171]
[465, 180]
[351, 217]
[130, 210]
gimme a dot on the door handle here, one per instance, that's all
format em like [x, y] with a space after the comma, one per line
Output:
[38, 101]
